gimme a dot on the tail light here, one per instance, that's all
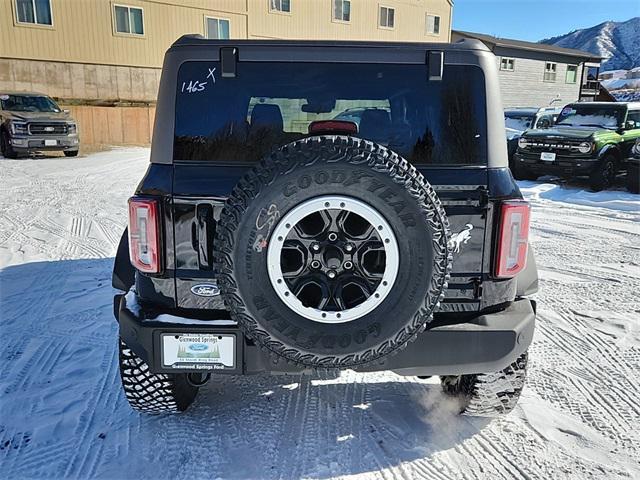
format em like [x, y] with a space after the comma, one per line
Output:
[338, 127]
[513, 239]
[144, 234]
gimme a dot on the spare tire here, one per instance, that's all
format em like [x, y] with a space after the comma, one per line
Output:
[333, 252]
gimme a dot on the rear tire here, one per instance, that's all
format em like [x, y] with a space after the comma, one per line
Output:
[153, 392]
[633, 178]
[71, 153]
[488, 394]
[521, 173]
[604, 175]
[5, 146]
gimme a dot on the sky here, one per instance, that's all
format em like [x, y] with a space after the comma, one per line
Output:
[533, 20]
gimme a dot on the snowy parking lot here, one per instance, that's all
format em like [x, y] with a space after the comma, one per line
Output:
[62, 413]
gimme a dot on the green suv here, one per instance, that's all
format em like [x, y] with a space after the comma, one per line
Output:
[589, 140]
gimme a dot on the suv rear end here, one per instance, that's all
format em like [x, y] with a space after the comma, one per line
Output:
[241, 123]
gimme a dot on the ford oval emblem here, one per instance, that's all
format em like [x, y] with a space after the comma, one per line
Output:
[205, 290]
[198, 347]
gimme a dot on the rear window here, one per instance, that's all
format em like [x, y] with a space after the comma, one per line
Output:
[240, 120]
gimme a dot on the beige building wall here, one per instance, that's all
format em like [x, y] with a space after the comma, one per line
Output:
[84, 63]
[83, 30]
[313, 19]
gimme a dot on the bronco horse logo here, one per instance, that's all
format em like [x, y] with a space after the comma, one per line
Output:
[461, 238]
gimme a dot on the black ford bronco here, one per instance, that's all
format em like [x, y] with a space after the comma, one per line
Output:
[273, 234]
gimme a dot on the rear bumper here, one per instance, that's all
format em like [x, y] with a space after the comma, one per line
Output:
[486, 344]
[562, 166]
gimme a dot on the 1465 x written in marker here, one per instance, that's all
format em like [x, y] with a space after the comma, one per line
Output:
[195, 86]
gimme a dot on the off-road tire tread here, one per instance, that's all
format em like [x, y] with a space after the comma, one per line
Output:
[338, 149]
[597, 180]
[489, 394]
[148, 392]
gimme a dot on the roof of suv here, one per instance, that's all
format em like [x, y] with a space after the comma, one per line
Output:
[192, 40]
[629, 105]
[24, 94]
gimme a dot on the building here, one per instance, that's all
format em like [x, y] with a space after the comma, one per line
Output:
[102, 59]
[539, 75]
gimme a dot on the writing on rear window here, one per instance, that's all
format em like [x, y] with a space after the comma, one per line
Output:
[267, 105]
[195, 86]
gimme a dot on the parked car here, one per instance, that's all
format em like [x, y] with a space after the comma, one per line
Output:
[33, 122]
[519, 119]
[633, 169]
[355, 114]
[253, 247]
[589, 139]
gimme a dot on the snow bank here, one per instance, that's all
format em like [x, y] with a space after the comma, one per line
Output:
[610, 199]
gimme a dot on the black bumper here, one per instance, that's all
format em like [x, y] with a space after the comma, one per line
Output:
[486, 344]
[562, 166]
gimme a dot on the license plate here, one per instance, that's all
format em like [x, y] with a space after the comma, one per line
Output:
[50, 143]
[194, 351]
[547, 157]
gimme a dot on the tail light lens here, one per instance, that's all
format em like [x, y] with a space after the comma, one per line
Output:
[144, 238]
[513, 239]
[339, 127]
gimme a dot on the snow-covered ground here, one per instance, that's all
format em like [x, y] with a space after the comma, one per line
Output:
[62, 413]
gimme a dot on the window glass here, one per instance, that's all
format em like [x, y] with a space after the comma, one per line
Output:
[129, 20]
[281, 5]
[43, 12]
[217, 28]
[387, 17]
[634, 117]
[433, 24]
[585, 115]
[25, 11]
[518, 121]
[136, 21]
[507, 64]
[572, 74]
[34, 11]
[122, 20]
[241, 119]
[28, 103]
[342, 10]
[550, 72]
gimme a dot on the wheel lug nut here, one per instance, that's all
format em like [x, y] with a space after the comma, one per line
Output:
[333, 237]
[331, 274]
[315, 264]
[315, 247]
[348, 265]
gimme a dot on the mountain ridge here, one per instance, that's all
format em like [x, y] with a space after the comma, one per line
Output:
[617, 42]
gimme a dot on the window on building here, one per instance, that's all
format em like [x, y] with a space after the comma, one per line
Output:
[280, 5]
[217, 28]
[37, 12]
[572, 74]
[507, 64]
[550, 71]
[342, 10]
[387, 15]
[433, 24]
[128, 20]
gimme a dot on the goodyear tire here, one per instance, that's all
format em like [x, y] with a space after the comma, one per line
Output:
[153, 393]
[333, 253]
[488, 394]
